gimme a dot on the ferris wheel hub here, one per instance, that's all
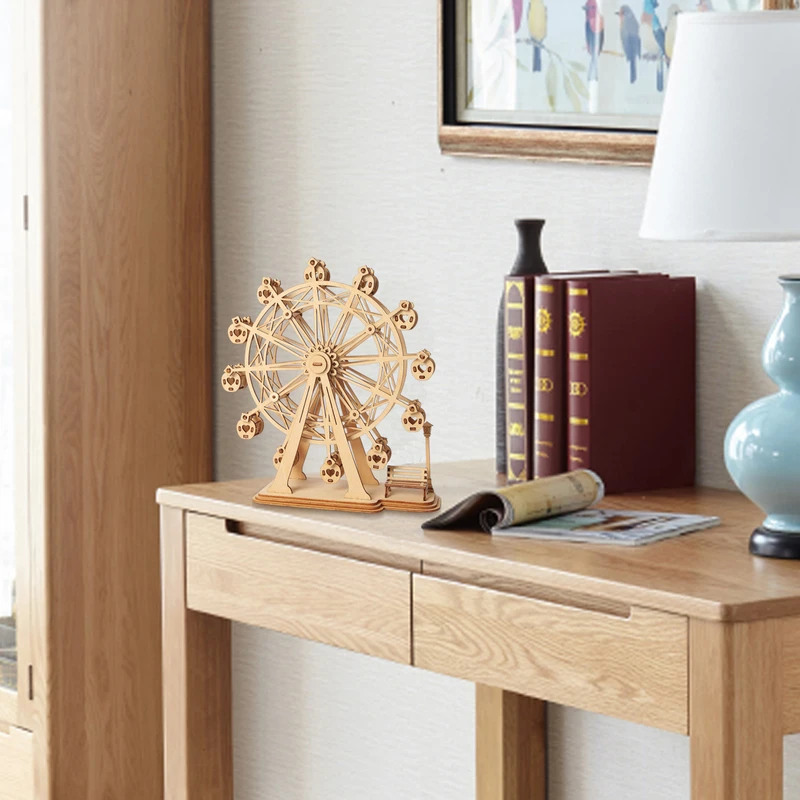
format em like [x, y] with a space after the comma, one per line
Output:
[318, 362]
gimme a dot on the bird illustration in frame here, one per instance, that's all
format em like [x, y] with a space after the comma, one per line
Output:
[631, 40]
[537, 27]
[595, 37]
[671, 29]
[653, 38]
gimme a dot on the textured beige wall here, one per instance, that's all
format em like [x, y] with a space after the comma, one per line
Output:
[325, 145]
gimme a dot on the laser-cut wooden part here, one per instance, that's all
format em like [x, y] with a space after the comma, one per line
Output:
[423, 367]
[249, 425]
[239, 329]
[234, 378]
[325, 363]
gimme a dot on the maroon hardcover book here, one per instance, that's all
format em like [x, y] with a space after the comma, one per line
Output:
[631, 381]
[549, 452]
[549, 373]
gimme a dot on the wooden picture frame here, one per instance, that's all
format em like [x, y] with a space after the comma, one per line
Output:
[546, 143]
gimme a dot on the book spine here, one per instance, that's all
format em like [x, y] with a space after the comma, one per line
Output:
[518, 337]
[578, 333]
[548, 388]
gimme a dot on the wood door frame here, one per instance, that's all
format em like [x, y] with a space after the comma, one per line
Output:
[124, 372]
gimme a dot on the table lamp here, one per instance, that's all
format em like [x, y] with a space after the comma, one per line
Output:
[727, 168]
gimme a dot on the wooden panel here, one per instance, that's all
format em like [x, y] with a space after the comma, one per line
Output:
[549, 145]
[709, 574]
[510, 745]
[314, 541]
[562, 597]
[16, 764]
[8, 707]
[634, 668]
[736, 717]
[349, 604]
[791, 675]
[198, 739]
[126, 365]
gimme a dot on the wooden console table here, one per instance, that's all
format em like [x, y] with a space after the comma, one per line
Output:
[690, 635]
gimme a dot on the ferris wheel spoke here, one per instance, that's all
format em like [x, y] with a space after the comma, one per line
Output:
[317, 315]
[360, 338]
[300, 327]
[387, 346]
[290, 317]
[290, 347]
[304, 333]
[275, 366]
[345, 318]
[370, 410]
[285, 418]
[303, 330]
[376, 359]
[350, 402]
[293, 384]
[371, 386]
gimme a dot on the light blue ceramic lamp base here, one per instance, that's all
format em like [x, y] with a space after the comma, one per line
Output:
[762, 446]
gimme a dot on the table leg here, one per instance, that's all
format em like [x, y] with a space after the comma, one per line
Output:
[198, 747]
[735, 708]
[510, 745]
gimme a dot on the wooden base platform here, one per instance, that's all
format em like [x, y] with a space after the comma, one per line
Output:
[315, 493]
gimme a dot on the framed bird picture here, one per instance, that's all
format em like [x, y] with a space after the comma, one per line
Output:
[573, 80]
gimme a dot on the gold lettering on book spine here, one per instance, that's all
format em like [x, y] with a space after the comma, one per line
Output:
[519, 287]
[578, 389]
[577, 324]
[544, 320]
[515, 311]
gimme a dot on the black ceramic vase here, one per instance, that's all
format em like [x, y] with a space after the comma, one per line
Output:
[529, 261]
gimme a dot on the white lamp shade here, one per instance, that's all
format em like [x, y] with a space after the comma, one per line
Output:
[727, 159]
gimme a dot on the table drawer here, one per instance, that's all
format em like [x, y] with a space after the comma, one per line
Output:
[16, 764]
[338, 601]
[633, 667]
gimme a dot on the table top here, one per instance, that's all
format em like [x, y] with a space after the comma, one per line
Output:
[708, 574]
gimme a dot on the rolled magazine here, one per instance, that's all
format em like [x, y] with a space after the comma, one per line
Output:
[562, 508]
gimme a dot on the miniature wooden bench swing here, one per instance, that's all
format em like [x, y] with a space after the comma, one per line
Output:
[325, 362]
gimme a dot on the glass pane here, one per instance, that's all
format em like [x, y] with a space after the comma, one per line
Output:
[8, 658]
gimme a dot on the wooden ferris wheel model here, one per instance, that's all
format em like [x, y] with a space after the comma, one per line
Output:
[325, 363]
